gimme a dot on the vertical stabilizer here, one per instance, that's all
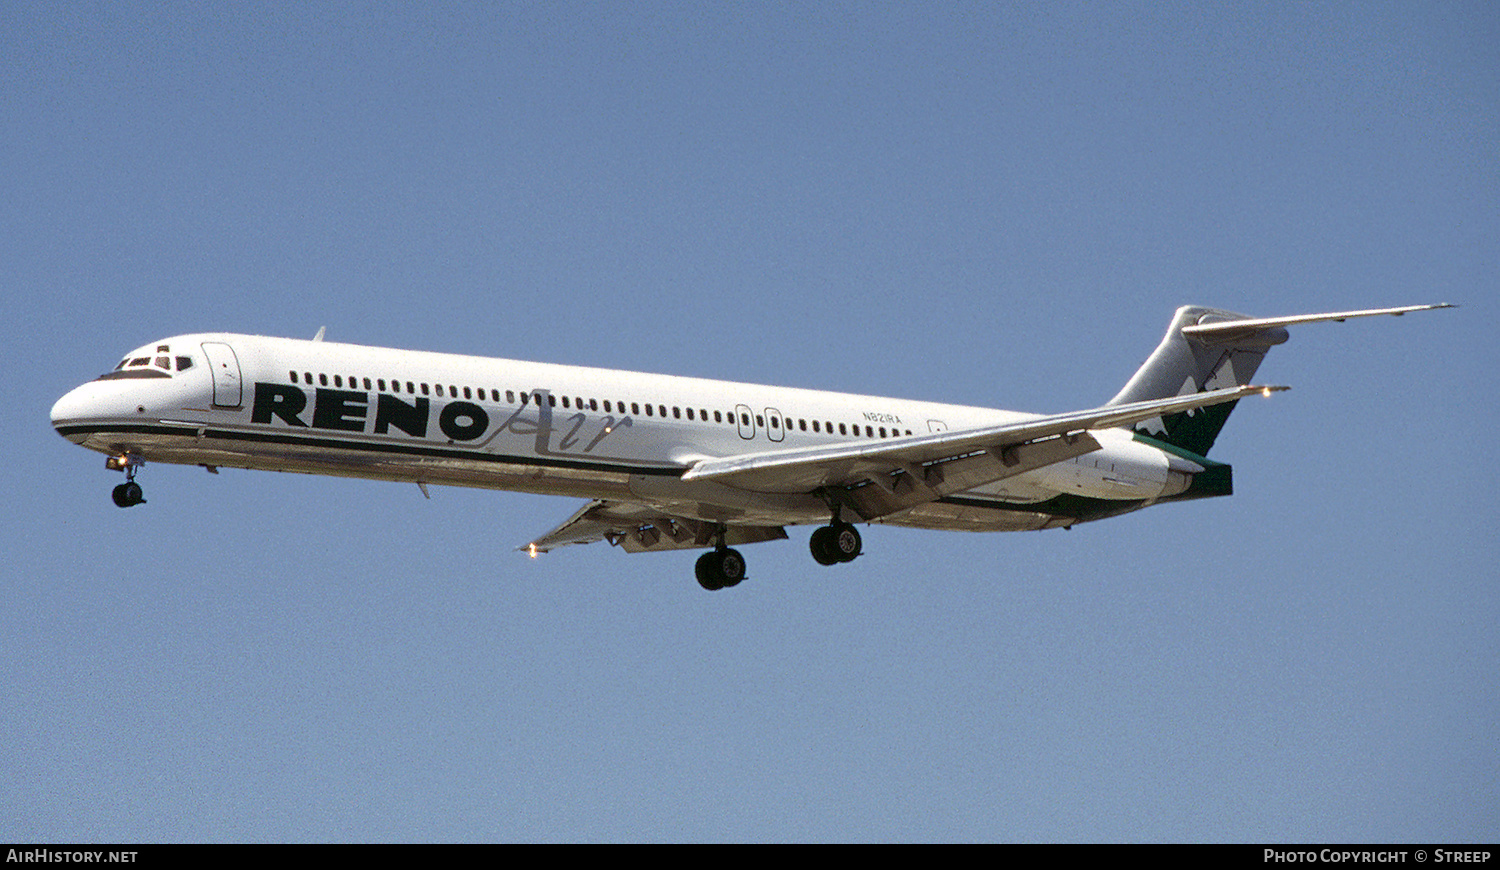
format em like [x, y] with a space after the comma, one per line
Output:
[1182, 365]
[1206, 349]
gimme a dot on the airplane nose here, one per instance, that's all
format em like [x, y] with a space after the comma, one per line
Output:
[71, 408]
[68, 408]
[89, 402]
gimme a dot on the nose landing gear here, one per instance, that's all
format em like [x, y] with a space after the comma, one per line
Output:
[127, 494]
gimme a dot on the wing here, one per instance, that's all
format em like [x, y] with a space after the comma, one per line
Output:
[638, 528]
[926, 456]
[907, 471]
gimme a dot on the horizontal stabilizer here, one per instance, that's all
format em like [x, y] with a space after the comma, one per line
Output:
[1236, 330]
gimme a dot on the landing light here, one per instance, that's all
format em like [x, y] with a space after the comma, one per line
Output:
[531, 550]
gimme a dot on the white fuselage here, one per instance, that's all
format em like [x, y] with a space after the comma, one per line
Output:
[327, 408]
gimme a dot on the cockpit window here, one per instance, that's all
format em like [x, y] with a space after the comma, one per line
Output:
[148, 367]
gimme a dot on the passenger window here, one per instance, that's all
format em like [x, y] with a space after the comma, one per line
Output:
[322, 379]
[338, 381]
[676, 413]
[294, 376]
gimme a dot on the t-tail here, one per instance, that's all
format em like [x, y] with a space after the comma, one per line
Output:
[1207, 349]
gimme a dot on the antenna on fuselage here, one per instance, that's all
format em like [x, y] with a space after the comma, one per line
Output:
[319, 336]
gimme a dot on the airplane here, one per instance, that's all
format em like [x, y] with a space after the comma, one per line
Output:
[668, 462]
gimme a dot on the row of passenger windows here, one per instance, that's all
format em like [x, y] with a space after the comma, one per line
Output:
[578, 403]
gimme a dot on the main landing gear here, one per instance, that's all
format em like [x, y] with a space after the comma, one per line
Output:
[834, 543]
[721, 567]
[127, 494]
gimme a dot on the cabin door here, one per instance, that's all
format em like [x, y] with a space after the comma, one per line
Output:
[228, 391]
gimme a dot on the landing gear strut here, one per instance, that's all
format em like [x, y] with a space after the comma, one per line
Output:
[127, 494]
[721, 567]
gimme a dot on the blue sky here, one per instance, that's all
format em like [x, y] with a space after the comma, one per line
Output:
[985, 204]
